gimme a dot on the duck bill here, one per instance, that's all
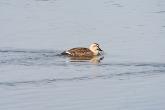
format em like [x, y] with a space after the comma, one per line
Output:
[100, 49]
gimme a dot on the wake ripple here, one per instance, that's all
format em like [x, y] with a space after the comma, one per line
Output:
[83, 78]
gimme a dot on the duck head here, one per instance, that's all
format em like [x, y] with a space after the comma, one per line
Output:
[95, 48]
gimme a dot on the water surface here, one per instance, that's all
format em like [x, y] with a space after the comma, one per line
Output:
[34, 76]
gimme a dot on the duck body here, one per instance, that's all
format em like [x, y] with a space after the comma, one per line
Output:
[79, 52]
[93, 50]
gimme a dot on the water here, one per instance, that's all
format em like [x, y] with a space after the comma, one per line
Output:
[34, 76]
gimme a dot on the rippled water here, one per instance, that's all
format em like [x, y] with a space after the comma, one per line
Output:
[34, 76]
[29, 77]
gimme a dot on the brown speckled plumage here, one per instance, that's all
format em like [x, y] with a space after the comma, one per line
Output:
[80, 52]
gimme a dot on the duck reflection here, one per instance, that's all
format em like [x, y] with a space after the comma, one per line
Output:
[94, 60]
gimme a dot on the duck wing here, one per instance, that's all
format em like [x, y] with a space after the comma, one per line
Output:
[80, 52]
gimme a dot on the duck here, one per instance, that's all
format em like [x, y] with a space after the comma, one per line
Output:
[93, 50]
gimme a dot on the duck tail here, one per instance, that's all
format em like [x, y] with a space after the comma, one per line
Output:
[65, 53]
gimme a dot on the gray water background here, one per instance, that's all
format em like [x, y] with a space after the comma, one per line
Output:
[34, 77]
